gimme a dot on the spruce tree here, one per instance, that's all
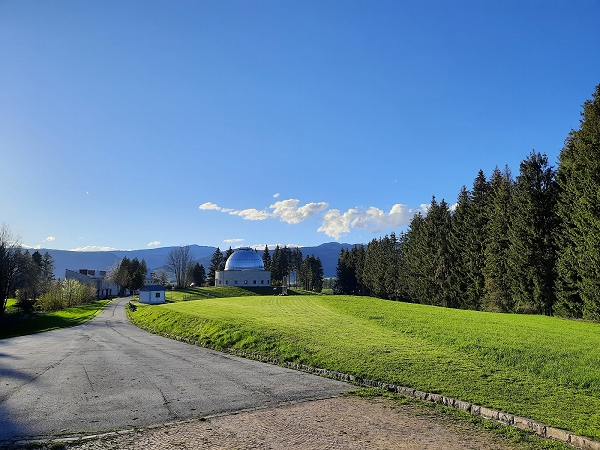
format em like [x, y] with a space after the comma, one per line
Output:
[578, 265]
[266, 258]
[457, 276]
[497, 292]
[474, 242]
[216, 261]
[532, 251]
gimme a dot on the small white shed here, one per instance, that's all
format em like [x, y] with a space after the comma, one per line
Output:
[152, 294]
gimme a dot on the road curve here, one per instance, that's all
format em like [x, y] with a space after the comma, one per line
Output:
[107, 374]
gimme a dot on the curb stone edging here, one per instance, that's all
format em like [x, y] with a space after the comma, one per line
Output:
[522, 423]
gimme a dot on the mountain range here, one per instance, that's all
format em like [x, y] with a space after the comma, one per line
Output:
[156, 258]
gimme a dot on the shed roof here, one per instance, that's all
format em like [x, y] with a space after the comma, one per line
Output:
[153, 287]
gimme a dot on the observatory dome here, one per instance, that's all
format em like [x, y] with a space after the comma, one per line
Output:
[244, 259]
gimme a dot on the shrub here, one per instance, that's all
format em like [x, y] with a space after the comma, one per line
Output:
[65, 294]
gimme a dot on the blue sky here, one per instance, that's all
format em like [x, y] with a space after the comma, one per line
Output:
[130, 125]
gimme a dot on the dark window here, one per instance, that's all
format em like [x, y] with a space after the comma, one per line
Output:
[158, 295]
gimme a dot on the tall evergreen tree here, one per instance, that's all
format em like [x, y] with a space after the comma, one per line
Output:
[497, 293]
[578, 265]
[426, 259]
[281, 264]
[310, 274]
[474, 241]
[216, 261]
[458, 273]
[532, 251]
[48, 267]
[266, 258]
[345, 282]
[198, 274]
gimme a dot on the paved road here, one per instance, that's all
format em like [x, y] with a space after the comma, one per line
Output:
[109, 374]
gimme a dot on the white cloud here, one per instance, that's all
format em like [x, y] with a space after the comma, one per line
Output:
[250, 214]
[209, 205]
[93, 248]
[49, 239]
[335, 223]
[232, 241]
[289, 212]
[276, 195]
[154, 244]
[286, 210]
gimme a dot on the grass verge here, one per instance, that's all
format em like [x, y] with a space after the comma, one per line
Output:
[547, 369]
[15, 323]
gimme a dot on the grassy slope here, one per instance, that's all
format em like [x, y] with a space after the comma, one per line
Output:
[225, 292]
[16, 323]
[544, 368]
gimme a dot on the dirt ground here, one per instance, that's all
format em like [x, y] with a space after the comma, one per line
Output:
[336, 423]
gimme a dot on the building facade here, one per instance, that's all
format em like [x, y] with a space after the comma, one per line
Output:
[104, 289]
[244, 268]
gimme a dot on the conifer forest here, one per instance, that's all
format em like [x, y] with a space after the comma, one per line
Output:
[528, 243]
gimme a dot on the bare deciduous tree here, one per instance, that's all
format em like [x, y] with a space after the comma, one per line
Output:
[10, 257]
[180, 261]
[161, 276]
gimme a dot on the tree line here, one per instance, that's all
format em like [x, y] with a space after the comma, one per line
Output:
[284, 261]
[29, 277]
[524, 244]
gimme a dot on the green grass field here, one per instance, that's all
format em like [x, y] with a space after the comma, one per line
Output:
[15, 323]
[195, 293]
[547, 369]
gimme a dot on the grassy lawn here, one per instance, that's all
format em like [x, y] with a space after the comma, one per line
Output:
[547, 369]
[15, 323]
[225, 292]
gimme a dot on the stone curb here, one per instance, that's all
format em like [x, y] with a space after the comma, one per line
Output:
[522, 423]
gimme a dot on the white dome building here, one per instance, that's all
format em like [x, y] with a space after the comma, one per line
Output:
[244, 268]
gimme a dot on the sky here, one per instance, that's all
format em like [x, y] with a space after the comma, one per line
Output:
[143, 124]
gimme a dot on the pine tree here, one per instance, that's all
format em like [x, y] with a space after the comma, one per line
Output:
[276, 267]
[497, 293]
[198, 274]
[425, 257]
[457, 276]
[414, 260]
[48, 267]
[532, 251]
[474, 241]
[578, 265]
[266, 258]
[216, 261]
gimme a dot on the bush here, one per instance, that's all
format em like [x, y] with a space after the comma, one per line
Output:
[65, 294]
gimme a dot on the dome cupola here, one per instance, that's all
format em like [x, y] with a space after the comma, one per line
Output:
[244, 258]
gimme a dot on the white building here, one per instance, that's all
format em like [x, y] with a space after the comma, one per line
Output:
[152, 294]
[244, 268]
[104, 289]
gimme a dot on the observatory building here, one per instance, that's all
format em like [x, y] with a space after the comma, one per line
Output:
[244, 268]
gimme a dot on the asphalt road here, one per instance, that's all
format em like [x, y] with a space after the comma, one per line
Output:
[109, 374]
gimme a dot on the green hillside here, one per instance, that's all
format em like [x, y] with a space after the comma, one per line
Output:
[540, 367]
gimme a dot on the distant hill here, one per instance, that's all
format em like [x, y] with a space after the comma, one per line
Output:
[156, 258]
